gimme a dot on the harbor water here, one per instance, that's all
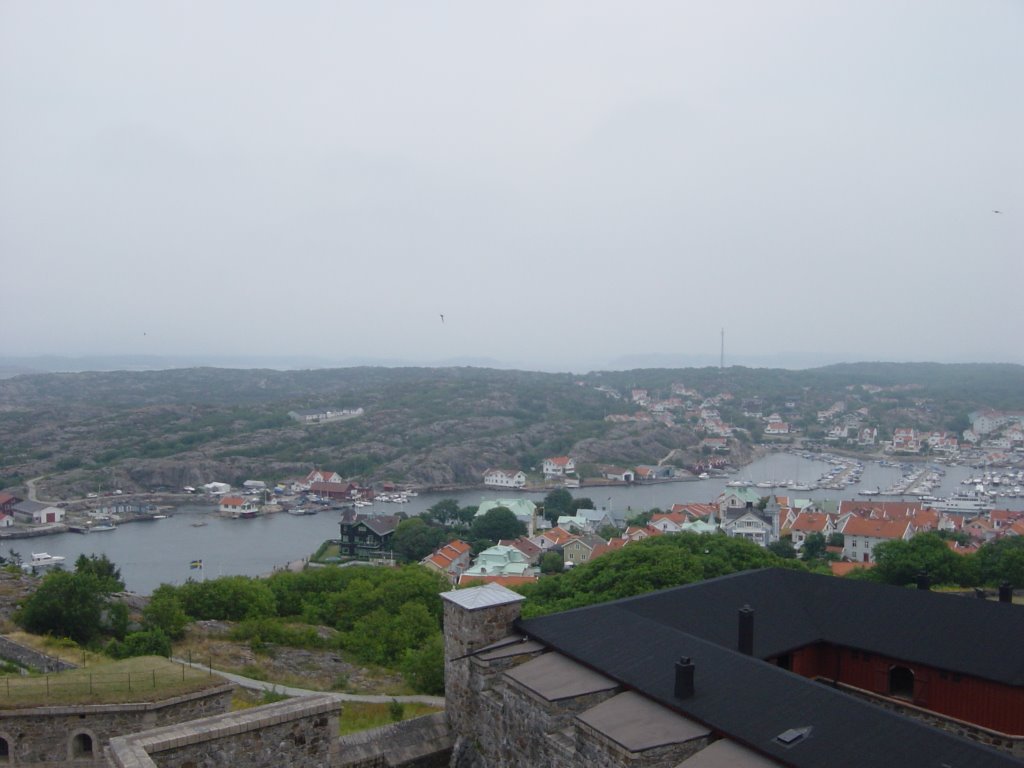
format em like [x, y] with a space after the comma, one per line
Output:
[162, 551]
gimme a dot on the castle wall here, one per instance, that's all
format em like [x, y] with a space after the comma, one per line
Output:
[299, 733]
[44, 736]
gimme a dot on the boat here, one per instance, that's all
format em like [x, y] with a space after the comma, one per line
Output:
[199, 523]
[43, 560]
[703, 476]
[102, 527]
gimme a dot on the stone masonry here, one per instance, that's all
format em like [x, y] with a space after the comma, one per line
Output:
[298, 733]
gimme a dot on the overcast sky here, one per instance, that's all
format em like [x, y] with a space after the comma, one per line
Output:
[568, 183]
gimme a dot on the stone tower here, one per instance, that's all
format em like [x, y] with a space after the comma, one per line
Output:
[473, 619]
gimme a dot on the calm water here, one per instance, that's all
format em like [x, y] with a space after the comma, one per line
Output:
[160, 551]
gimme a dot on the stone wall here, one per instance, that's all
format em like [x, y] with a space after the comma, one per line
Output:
[43, 736]
[424, 742]
[298, 733]
[31, 658]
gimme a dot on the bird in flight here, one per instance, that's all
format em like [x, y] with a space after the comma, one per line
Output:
[442, 318]
[996, 211]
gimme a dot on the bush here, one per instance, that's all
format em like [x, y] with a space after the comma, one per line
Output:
[145, 643]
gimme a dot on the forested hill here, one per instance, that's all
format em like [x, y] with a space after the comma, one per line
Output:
[434, 426]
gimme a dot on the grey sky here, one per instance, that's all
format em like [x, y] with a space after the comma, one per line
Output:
[567, 182]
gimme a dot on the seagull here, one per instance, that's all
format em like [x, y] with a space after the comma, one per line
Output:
[996, 211]
[442, 318]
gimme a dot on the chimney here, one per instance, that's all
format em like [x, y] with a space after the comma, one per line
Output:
[923, 582]
[684, 678]
[746, 631]
[1005, 592]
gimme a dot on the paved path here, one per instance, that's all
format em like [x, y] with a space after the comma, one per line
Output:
[287, 690]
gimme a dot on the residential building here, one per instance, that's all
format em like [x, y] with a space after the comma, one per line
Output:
[580, 549]
[861, 535]
[7, 502]
[452, 560]
[504, 478]
[524, 510]
[499, 560]
[558, 466]
[236, 506]
[367, 537]
[323, 476]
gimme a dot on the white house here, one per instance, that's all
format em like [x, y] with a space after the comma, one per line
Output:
[504, 478]
[558, 466]
[861, 535]
[217, 488]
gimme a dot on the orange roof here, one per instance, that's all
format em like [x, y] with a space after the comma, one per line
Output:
[841, 569]
[557, 535]
[810, 521]
[879, 529]
[232, 501]
[505, 581]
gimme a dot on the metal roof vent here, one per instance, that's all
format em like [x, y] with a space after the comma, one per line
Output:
[793, 736]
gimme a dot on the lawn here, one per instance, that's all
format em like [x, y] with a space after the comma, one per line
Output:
[362, 716]
[144, 678]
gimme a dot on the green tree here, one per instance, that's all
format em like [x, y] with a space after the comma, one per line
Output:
[552, 562]
[65, 605]
[814, 547]
[783, 548]
[900, 562]
[423, 666]
[146, 643]
[445, 512]
[581, 503]
[229, 598]
[495, 524]
[164, 612]
[414, 539]
[1001, 560]
[100, 566]
[557, 502]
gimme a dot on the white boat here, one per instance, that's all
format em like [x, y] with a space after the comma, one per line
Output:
[102, 527]
[43, 560]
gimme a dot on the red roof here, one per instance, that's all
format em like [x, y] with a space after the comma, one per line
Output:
[878, 529]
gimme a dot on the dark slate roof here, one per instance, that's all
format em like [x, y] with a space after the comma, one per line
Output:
[638, 640]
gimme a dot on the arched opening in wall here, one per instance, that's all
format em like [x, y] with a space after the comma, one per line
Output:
[901, 683]
[5, 750]
[81, 745]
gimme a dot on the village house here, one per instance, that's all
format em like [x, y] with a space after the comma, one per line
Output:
[323, 476]
[807, 523]
[367, 537]
[861, 535]
[452, 560]
[558, 466]
[498, 560]
[525, 511]
[504, 478]
[236, 506]
[580, 549]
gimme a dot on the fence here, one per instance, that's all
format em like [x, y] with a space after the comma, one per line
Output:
[83, 685]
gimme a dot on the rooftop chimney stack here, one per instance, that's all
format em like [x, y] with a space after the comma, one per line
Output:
[923, 582]
[1005, 592]
[746, 631]
[684, 678]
